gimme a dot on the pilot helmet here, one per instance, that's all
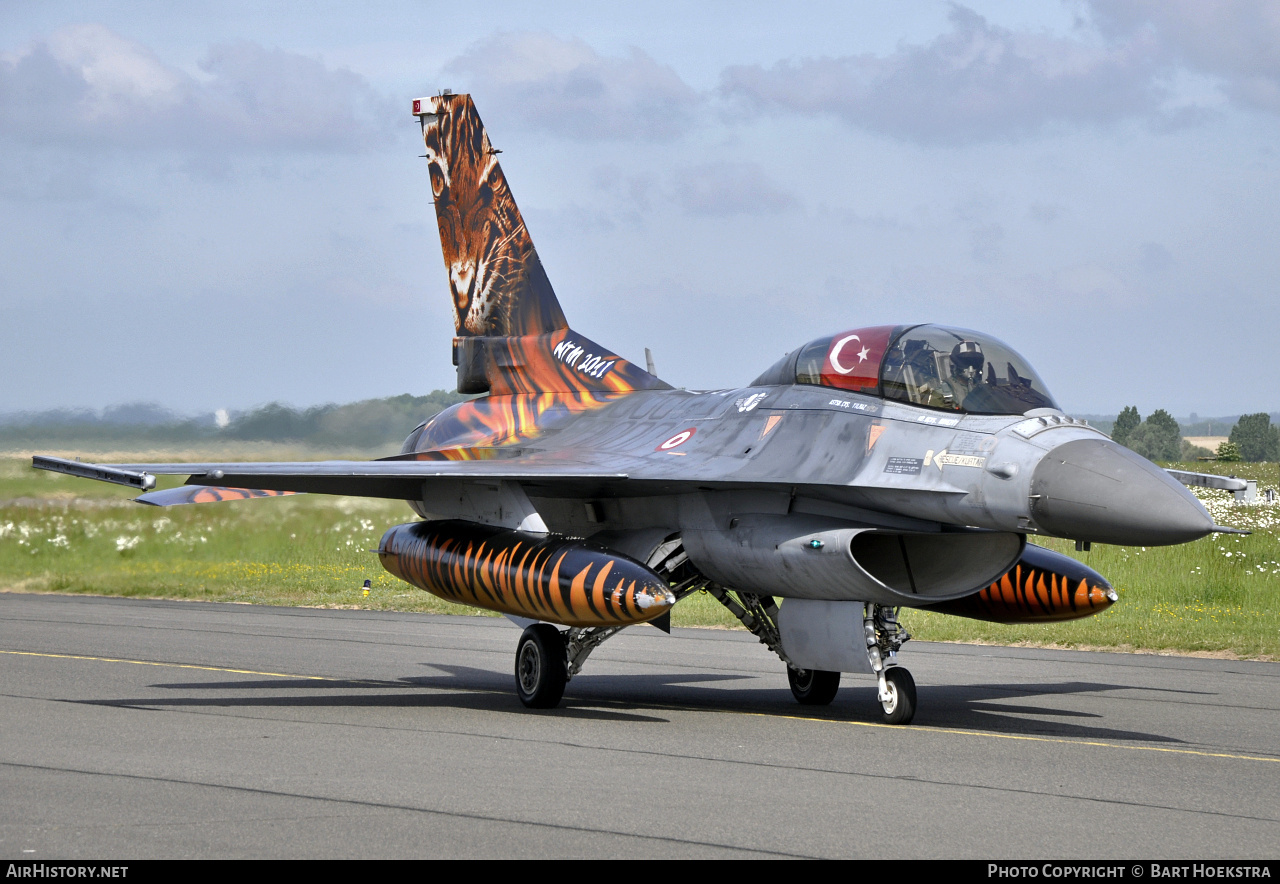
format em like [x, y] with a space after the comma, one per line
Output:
[964, 356]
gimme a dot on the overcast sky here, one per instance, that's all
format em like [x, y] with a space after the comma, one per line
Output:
[225, 207]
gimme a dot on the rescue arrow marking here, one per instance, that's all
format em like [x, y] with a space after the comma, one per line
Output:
[942, 459]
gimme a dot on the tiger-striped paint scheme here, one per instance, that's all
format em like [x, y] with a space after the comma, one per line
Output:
[562, 361]
[517, 344]
[205, 494]
[532, 390]
[835, 438]
[1043, 587]
[495, 276]
[536, 576]
[471, 430]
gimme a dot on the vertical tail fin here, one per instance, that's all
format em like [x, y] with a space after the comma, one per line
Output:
[498, 285]
[512, 337]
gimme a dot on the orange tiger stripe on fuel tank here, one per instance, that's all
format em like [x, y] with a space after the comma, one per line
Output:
[573, 582]
[1044, 586]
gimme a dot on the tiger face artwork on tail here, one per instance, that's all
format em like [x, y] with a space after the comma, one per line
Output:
[495, 276]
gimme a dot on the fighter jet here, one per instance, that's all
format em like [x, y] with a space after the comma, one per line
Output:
[867, 471]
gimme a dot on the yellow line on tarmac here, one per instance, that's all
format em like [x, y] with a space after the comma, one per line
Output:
[995, 736]
[898, 727]
[172, 665]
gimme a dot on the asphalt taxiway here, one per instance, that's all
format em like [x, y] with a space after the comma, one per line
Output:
[135, 729]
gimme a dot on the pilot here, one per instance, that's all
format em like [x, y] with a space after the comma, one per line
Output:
[966, 372]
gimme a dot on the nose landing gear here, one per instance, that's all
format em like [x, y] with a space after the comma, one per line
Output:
[897, 694]
[896, 689]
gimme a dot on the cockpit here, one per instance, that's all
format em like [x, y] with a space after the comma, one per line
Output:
[931, 366]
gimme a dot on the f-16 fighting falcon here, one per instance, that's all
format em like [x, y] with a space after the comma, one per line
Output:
[867, 471]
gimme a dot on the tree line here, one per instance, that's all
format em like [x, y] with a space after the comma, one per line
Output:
[1159, 437]
[371, 423]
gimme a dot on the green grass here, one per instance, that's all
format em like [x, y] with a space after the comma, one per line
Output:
[1220, 594]
[59, 534]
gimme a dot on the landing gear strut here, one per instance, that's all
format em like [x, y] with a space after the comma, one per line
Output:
[810, 687]
[547, 658]
[896, 689]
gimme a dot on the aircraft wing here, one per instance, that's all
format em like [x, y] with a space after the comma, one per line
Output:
[396, 479]
[581, 473]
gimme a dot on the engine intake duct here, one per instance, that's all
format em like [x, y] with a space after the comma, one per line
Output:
[801, 556]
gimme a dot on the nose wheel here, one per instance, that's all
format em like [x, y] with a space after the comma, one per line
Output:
[897, 695]
[542, 667]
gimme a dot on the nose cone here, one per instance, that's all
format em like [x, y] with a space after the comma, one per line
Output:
[1096, 490]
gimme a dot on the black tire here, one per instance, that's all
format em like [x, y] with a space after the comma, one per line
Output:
[813, 687]
[901, 708]
[541, 667]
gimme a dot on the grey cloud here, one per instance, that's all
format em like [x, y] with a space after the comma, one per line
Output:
[633, 193]
[712, 189]
[985, 243]
[567, 87]
[1155, 258]
[87, 85]
[1045, 213]
[270, 98]
[976, 82]
[1237, 40]
[728, 189]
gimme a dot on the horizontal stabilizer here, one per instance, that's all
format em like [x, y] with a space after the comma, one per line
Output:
[204, 494]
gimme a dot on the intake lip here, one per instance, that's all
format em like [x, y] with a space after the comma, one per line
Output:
[1096, 490]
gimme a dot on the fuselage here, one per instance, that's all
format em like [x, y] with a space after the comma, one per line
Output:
[801, 448]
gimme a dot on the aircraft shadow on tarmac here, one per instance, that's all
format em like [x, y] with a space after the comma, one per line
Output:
[962, 707]
[627, 698]
[979, 707]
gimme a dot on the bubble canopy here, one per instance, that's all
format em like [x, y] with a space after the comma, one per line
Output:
[932, 366]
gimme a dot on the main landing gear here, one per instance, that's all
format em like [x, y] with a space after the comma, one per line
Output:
[541, 667]
[813, 687]
[895, 688]
[547, 657]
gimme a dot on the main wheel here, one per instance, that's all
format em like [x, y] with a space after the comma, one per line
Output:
[541, 667]
[813, 687]
[900, 708]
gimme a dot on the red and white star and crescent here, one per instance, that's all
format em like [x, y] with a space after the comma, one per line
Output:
[835, 354]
